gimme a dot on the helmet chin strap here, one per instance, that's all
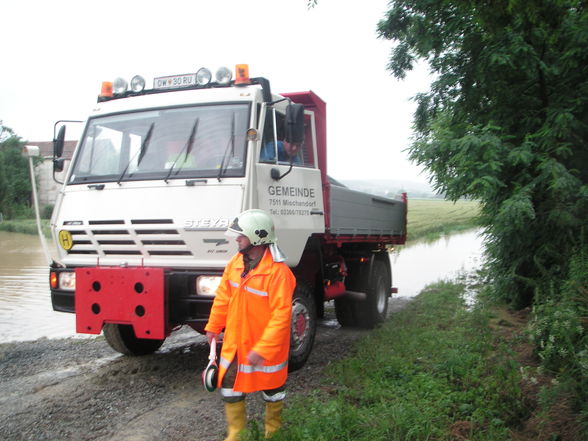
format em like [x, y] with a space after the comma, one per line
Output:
[247, 249]
[277, 254]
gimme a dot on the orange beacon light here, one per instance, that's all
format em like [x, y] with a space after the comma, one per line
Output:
[242, 74]
[106, 89]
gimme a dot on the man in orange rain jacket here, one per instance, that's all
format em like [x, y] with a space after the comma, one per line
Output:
[253, 304]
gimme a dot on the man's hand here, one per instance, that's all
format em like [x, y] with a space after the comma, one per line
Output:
[210, 336]
[254, 358]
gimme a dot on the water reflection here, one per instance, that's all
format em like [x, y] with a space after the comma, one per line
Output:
[420, 264]
[25, 303]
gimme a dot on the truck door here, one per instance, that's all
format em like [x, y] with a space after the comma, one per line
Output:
[292, 192]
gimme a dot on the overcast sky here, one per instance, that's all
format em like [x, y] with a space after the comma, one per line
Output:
[55, 54]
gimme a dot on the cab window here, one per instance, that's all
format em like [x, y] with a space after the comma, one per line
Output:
[273, 142]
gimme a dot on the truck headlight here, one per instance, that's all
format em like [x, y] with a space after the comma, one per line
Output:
[67, 281]
[207, 285]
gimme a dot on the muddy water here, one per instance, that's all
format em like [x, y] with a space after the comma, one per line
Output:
[25, 303]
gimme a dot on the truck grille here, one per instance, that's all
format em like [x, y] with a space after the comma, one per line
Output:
[139, 237]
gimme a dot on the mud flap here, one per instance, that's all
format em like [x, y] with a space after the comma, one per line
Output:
[133, 296]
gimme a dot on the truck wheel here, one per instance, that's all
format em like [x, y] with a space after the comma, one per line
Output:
[122, 339]
[303, 326]
[372, 310]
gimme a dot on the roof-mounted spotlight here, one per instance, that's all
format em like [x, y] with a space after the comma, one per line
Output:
[224, 75]
[137, 83]
[203, 76]
[120, 85]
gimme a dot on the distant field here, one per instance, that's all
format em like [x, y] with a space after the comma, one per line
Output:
[431, 218]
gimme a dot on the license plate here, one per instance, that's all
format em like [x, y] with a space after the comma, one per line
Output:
[173, 81]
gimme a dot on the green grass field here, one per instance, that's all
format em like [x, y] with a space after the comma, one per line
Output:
[431, 218]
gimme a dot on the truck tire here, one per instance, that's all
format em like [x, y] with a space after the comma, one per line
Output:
[122, 339]
[372, 310]
[303, 326]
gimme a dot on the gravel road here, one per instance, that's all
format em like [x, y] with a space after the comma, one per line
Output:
[80, 389]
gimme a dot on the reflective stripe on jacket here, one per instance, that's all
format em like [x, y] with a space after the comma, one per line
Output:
[255, 312]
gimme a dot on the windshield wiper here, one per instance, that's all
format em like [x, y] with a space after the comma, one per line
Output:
[141, 153]
[187, 148]
[231, 144]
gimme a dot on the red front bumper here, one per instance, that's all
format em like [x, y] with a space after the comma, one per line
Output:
[133, 296]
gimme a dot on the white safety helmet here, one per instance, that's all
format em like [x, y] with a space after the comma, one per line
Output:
[256, 225]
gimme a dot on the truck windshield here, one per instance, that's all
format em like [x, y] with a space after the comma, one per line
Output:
[170, 143]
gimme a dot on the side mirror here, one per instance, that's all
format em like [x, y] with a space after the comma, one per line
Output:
[294, 124]
[58, 143]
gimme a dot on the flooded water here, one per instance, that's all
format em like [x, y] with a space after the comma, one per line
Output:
[25, 302]
[420, 264]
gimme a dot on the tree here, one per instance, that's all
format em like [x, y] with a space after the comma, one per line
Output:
[15, 185]
[505, 121]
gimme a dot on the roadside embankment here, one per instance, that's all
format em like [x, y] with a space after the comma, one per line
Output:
[439, 369]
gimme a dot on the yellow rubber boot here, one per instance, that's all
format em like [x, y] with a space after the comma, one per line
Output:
[236, 419]
[273, 417]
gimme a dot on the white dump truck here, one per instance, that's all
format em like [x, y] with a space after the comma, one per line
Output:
[159, 174]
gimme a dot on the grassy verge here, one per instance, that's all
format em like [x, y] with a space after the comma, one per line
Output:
[435, 371]
[431, 218]
[25, 226]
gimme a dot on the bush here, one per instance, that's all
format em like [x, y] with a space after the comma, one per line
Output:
[559, 328]
[17, 211]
